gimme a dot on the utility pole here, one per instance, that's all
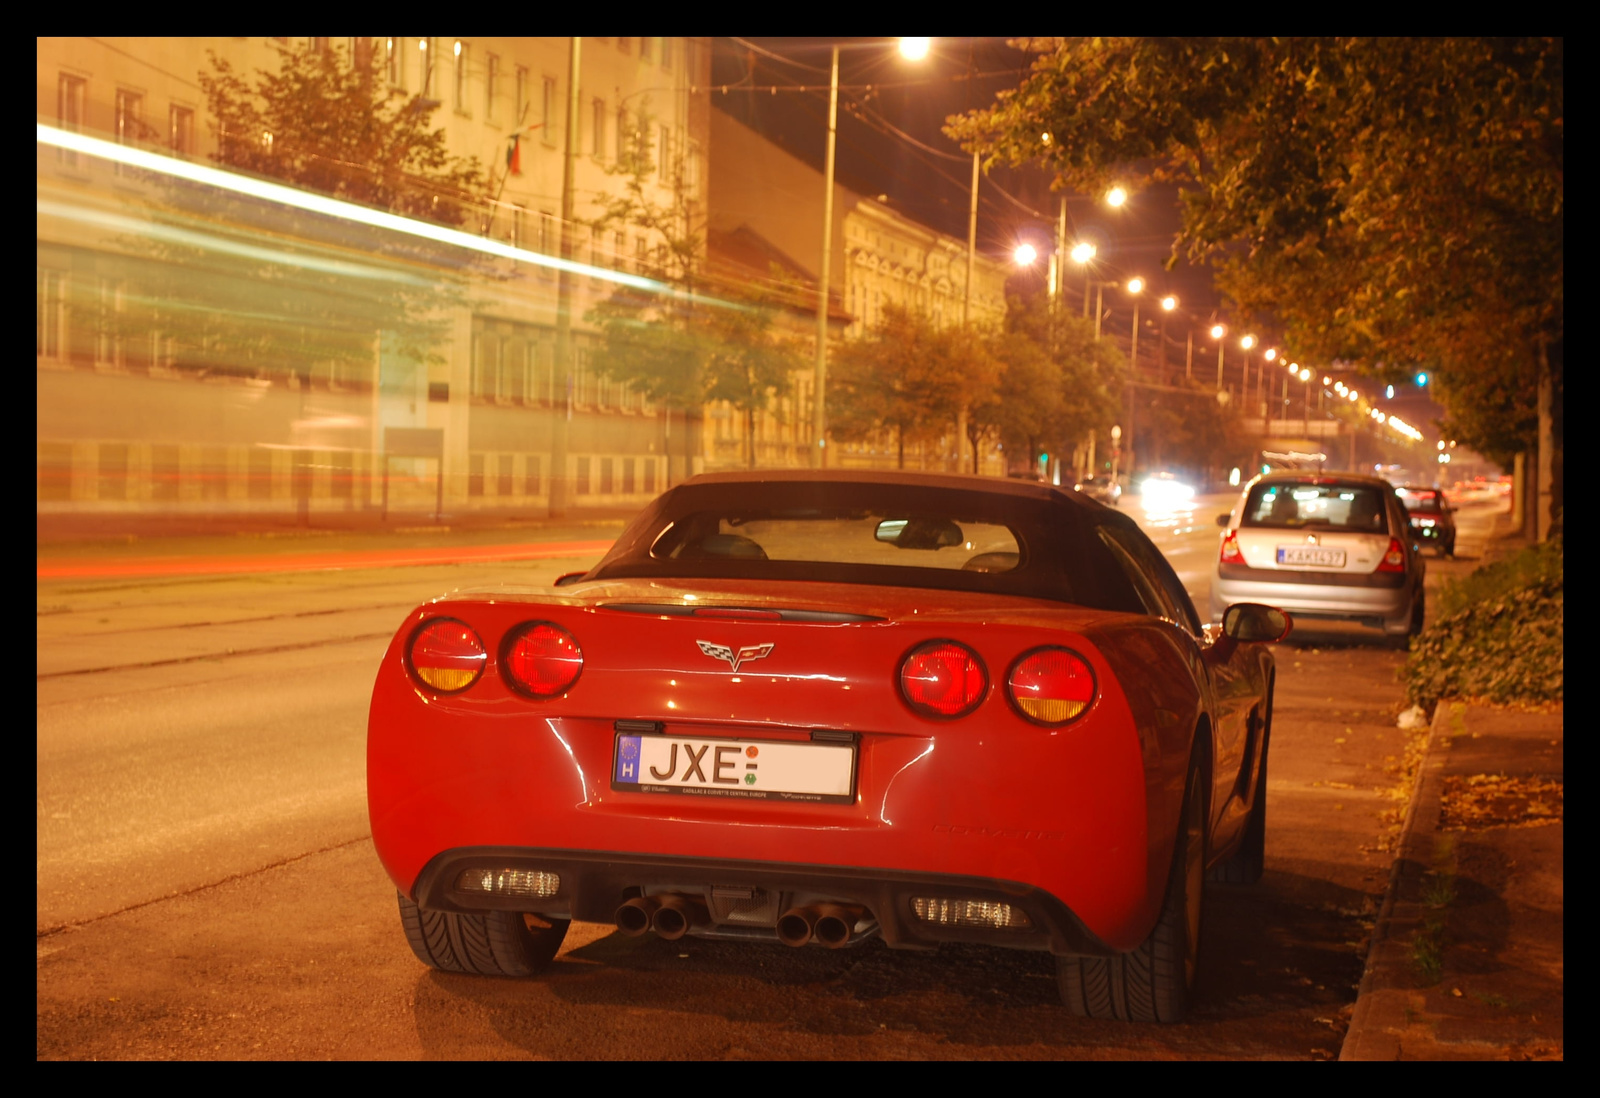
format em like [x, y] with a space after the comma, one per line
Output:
[966, 301]
[563, 365]
[819, 408]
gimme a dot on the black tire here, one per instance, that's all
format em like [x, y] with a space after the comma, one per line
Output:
[1155, 982]
[486, 943]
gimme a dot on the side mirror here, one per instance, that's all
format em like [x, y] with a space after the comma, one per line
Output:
[1222, 520]
[1253, 622]
[568, 579]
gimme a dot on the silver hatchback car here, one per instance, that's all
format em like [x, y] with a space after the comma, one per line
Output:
[1322, 545]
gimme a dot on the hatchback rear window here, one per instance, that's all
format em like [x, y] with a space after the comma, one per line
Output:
[1354, 507]
[1423, 501]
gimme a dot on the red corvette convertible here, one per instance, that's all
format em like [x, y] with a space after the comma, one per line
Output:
[818, 708]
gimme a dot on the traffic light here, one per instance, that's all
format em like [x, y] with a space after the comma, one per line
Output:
[1044, 463]
[1422, 380]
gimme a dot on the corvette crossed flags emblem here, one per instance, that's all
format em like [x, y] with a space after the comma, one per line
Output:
[744, 655]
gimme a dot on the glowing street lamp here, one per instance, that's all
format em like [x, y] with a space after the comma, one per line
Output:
[1116, 196]
[915, 49]
[1025, 255]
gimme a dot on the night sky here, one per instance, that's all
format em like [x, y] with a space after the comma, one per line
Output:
[916, 97]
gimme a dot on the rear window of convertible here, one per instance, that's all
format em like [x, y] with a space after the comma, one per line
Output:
[904, 535]
[896, 539]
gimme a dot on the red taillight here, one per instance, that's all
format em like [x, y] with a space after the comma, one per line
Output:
[1394, 558]
[446, 655]
[542, 659]
[1051, 685]
[1230, 548]
[943, 679]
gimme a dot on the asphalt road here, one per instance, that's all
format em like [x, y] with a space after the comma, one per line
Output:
[206, 886]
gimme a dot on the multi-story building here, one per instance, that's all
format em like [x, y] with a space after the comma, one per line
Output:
[130, 419]
[878, 257]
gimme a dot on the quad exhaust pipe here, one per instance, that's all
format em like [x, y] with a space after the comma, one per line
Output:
[827, 924]
[672, 915]
[669, 915]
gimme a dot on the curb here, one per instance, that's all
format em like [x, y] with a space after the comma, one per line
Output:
[1382, 1001]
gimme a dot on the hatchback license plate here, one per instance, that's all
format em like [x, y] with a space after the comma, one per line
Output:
[1313, 555]
[778, 770]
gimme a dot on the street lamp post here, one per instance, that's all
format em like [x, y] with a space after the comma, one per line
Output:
[1135, 287]
[1217, 332]
[819, 409]
[1168, 304]
[1245, 343]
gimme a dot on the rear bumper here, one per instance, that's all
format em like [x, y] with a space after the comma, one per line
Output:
[593, 885]
[1388, 607]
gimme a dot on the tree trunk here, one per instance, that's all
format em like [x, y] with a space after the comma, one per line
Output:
[900, 442]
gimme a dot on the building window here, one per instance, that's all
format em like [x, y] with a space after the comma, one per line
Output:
[530, 475]
[425, 46]
[664, 153]
[342, 475]
[259, 478]
[130, 106]
[491, 86]
[597, 142]
[52, 319]
[666, 53]
[583, 487]
[641, 254]
[506, 478]
[627, 465]
[69, 105]
[547, 112]
[108, 335]
[519, 226]
[620, 255]
[623, 43]
[474, 474]
[650, 475]
[460, 74]
[394, 61]
[180, 130]
[520, 107]
[486, 365]
[607, 476]
[113, 471]
[549, 233]
[645, 50]
[514, 370]
[319, 45]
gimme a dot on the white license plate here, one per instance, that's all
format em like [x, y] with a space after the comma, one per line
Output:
[751, 769]
[1312, 555]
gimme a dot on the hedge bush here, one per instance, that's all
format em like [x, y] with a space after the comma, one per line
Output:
[1497, 635]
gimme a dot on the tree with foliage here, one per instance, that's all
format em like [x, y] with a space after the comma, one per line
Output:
[908, 376]
[254, 289]
[1392, 202]
[328, 122]
[680, 345]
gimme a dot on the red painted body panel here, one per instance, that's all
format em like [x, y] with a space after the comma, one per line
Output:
[1068, 810]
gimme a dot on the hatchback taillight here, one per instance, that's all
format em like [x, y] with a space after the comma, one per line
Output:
[542, 659]
[446, 655]
[943, 679]
[1231, 553]
[1394, 558]
[1051, 685]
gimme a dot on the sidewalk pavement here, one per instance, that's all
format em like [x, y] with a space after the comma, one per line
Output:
[1467, 960]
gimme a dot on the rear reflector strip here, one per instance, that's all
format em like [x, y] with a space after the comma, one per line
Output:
[753, 613]
[981, 913]
[532, 883]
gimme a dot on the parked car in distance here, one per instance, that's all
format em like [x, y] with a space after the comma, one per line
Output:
[1432, 517]
[1322, 545]
[1101, 488]
[818, 707]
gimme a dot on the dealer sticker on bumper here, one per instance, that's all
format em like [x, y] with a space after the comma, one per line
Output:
[751, 769]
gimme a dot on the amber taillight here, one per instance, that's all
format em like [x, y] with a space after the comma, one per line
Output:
[446, 655]
[542, 659]
[1051, 685]
[943, 679]
[1394, 558]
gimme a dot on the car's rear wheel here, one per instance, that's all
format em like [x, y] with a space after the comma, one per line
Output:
[486, 943]
[1154, 982]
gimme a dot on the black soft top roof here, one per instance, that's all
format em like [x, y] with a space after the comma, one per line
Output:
[1062, 556]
